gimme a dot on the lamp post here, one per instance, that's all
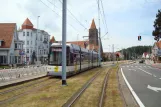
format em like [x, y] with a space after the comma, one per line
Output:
[37, 36]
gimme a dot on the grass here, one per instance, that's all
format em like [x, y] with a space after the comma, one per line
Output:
[90, 97]
[53, 95]
[6, 67]
[113, 95]
[11, 94]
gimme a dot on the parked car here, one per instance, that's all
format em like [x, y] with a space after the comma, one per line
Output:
[142, 61]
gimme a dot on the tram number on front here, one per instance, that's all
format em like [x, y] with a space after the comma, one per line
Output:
[56, 69]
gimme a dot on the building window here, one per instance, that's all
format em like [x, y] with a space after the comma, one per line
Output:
[40, 38]
[47, 46]
[27, 33]
[16, 59]
[19, 59]
[3, 59]
[27, 42]
[15, 45]
[27, 51]
[31, 42]
[31, 34]
[23, 33]
[44, 52]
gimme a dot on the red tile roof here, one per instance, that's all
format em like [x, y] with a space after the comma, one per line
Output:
[27, 24]
[80, 43]
[52, 40]
[158, 44]
[7, 33]
[93, 25]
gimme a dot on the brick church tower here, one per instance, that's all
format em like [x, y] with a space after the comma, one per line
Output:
[93, 34]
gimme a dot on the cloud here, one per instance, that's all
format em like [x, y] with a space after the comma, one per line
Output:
[126, 19]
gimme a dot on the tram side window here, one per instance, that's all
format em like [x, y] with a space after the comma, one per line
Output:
[71, 58]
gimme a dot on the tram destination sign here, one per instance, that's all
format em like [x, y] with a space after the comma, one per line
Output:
[57, 49]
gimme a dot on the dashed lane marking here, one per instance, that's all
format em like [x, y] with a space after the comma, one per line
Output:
[145, 71]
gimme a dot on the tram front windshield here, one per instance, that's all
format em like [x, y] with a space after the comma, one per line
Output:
[55, 56]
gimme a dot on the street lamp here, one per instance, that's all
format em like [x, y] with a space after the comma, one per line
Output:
[37, 36]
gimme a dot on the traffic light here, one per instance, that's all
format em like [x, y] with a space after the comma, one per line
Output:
[139, 38]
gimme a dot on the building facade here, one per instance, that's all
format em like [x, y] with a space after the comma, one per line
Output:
[156, 52]
[36, 43]
[10, 45]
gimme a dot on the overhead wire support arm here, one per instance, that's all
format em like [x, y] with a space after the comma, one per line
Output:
[75, 17]
[57, 13]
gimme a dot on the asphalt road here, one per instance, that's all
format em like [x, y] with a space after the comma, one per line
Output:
[146, 83]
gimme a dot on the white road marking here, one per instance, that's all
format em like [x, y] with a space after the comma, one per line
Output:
[127, 66]
[156, 89]
[132, 91]
[131, 66]
[159, 78]
[132, 69]
[154, 75]
[145, 71]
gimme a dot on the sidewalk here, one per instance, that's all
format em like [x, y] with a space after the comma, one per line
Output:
[151, 63]
[14, 76]
[15, 81]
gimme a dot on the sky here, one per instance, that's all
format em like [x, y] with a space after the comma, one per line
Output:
[125, 19]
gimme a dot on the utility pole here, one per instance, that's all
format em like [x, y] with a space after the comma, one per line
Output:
[113, 52]
[64, 83]
[37, 36]
[99, 39]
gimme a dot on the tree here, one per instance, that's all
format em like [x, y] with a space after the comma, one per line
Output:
[157, 26]
[135, 51]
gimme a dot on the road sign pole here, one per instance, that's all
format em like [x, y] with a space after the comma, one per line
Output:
[64, 83]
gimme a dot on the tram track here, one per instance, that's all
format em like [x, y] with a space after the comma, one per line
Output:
[102, 96]
[38, 85]
[23, 85]
[78, 94]
[19, 94]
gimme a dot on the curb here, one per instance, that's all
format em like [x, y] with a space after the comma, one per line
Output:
[156, 66]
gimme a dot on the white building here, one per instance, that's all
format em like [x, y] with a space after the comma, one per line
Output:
[10, 45]
[34, 40]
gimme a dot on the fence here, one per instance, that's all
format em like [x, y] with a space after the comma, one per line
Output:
[16, 73]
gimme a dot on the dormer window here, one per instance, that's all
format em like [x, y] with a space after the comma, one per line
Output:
[1, 42]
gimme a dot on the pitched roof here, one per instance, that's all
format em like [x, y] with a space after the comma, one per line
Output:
[93, 25]
[52, 40]
[6, 33]
[158, 44]
[80, 43]
[27, 22]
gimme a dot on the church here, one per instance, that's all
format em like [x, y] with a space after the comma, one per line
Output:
[92, 43]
